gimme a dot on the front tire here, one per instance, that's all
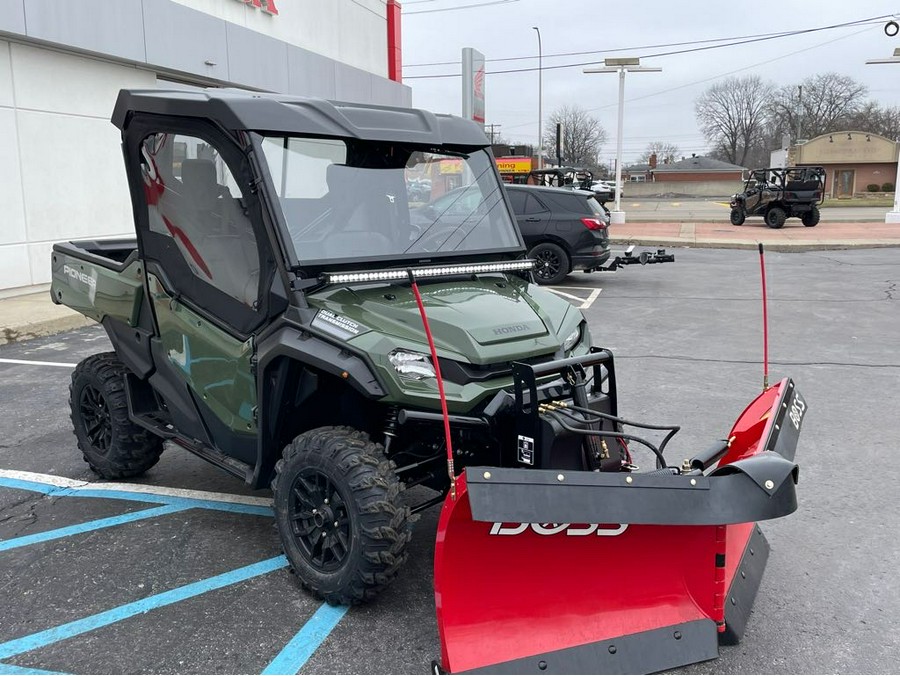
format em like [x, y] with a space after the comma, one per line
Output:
[737, 217]
[113, 446]
[338, 509]
[811, 218]
[775, 217]
[552, 263]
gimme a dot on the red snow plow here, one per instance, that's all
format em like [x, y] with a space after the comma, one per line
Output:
[548, 568]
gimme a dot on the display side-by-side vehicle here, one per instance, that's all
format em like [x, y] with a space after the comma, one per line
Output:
[777, 194]
[284, 315]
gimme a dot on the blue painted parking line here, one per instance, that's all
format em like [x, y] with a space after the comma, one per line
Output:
[49, 636]
[300, 648]
[88, 526]
[13, 669]
[134, 496]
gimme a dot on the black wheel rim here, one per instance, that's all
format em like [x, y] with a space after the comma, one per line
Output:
[319, 520]
[548, 264]
[95, 416]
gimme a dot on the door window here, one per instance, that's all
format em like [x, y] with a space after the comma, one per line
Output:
[533, 206]
[193, 198]
[517, 199]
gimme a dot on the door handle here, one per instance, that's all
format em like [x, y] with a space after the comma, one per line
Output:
[532, 219]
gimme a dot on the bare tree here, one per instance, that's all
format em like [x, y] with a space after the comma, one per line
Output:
[819, 105]
[732, 114]
[582, 136]
[876, 119]
[665, 152]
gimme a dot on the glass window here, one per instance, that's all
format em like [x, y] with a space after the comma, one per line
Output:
[517, 198]
[532, 206]
[193, 198]
[352, 199]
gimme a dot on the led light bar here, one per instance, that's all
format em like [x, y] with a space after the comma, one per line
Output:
[431, 271]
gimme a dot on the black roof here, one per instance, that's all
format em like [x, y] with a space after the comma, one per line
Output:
[236, 109]
[548, 188]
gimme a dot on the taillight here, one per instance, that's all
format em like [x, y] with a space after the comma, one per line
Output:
[593, 224]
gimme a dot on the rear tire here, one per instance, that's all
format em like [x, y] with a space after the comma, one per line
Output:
[775, 217]
[338, 509]
[113, 446]
[811, 218]
[737, 217]
[552, 263]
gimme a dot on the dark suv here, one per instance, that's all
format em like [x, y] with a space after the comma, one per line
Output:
[563, 229]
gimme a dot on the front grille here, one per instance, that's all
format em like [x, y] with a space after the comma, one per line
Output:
[462, 373]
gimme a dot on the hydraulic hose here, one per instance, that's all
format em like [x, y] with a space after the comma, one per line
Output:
[599, 415]
[657, 451]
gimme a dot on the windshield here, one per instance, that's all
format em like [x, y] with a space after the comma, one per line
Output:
[346, 200]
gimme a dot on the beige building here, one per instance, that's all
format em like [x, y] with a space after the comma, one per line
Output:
[852, 159]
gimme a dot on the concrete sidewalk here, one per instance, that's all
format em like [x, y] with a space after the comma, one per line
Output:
[792, 237]
[34, 315]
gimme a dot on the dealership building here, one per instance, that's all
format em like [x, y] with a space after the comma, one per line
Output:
[62, 64]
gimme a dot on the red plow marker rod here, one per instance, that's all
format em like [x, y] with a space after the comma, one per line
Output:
[765, 313]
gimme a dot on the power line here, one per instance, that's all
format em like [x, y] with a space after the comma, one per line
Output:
[454, 9]
[709, 79]
[846, 24]
[614, 50]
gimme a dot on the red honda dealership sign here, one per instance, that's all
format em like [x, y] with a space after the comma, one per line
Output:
[268, 6]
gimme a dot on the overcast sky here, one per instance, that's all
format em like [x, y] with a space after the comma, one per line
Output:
[659, 106]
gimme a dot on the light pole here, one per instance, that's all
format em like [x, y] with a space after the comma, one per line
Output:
[893, 216]
[540, 102]
[632, 65]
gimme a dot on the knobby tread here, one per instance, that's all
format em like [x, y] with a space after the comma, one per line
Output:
[383, 525]
[133, 449]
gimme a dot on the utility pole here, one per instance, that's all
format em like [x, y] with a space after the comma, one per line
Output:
[799, 110]
[492, 130]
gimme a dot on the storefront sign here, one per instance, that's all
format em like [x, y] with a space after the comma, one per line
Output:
[268, 6]
[451, 166]
[514, 165]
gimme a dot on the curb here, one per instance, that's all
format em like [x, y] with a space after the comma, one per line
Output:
[47, 327]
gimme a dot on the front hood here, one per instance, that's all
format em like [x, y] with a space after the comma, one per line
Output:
[481, 321]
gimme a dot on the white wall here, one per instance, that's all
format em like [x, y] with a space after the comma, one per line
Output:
[351, 31]
[61, 170]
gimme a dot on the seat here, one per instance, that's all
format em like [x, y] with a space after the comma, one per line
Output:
[220, 232]
[369, 212]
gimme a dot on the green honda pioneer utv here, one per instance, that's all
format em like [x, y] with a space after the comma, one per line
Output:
[285, 313]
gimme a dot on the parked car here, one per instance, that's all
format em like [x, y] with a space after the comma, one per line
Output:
[605, 190]
[563, 229]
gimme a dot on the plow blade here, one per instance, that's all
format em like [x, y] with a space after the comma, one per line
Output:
[539, 571]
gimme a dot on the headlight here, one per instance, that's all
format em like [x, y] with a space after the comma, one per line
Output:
[412, 365]
[572, 339]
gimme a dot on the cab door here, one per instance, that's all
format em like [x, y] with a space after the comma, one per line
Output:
[203, 243]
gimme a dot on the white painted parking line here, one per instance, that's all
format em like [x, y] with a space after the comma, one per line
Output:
[585, 302]
[164, 491]
[28, 362]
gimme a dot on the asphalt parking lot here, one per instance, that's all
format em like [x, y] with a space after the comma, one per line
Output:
[181, 570]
